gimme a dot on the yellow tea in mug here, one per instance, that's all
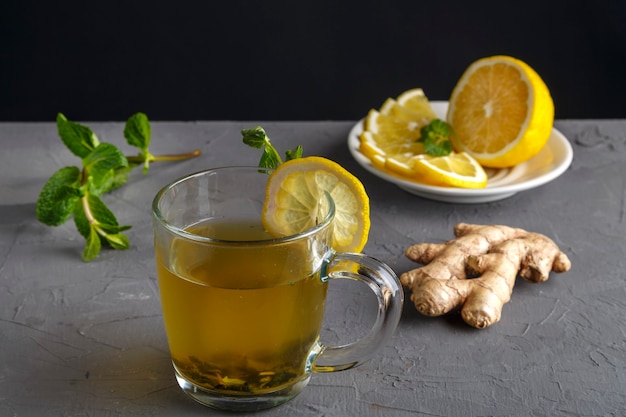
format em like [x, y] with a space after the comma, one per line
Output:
[243, 310]
[241, 318]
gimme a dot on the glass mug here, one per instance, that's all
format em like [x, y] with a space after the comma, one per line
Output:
[242, 310]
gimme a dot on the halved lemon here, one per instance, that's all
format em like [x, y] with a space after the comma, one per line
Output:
[501, 111]
[295, 192]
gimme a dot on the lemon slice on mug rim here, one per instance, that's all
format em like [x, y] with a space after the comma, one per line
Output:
[294, 201]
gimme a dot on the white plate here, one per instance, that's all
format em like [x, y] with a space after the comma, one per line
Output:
[544, 167]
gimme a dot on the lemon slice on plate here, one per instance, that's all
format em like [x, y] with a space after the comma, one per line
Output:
[501, 111]
[390, 129]
[396, 125]
[372, 144]
[454, 170]
[294, 193]
[415, 101]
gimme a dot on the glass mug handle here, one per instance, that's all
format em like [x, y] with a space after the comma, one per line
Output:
[381, 279]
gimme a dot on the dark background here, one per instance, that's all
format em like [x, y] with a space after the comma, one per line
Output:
[294, 60]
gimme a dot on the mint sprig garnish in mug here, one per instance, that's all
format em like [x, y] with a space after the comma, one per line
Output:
[74, 191]
[270, 158]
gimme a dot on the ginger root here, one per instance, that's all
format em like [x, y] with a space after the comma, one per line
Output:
[477, 270]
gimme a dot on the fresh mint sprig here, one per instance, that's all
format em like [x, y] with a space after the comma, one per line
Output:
[74, 191]
[436, 138]
[270, 158]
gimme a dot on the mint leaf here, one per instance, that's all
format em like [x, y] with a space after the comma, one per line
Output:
[100, 212]
[93, 245]
[436, 138]
[99, 215]
[104, 158]
[293, 154]
[436, 147]
[255, 137]
[59, 196]
[120, 176]
[117, 241]
[270, 158]
[137, 131]
[112, 228]
[97, 223]
[79, 139]
[100, 164]
[81, 222]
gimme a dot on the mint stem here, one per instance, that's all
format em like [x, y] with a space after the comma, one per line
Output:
[84, 199]
[164, 158]
[87, 210]
[277, 155]
[178, 157]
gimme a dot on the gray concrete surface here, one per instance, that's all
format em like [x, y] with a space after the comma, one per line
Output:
[87, 339]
